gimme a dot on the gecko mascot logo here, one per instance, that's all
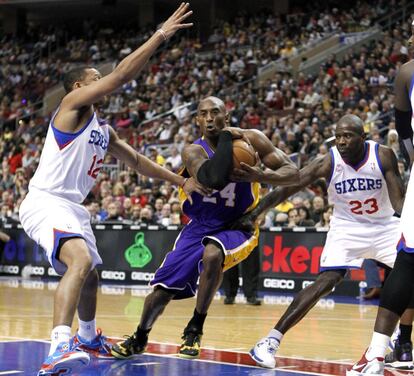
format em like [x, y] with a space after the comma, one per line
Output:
[138, 254]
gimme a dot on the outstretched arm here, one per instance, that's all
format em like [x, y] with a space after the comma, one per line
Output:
[124, 152]
[318, 168]
[392, 175]
[129, 67]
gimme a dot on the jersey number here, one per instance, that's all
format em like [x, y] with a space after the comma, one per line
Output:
[95, 167]
[369, 206]
[226, 193]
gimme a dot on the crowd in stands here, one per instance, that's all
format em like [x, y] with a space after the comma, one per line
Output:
[298, 114]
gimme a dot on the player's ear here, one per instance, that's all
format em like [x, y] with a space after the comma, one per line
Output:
[227, 118]
[77, 85]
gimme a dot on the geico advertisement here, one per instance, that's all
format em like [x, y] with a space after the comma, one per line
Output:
[290, 254]
[134, 255]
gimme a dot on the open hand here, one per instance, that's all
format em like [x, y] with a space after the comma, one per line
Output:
[174, 23]
[191, 185]
[248, 173]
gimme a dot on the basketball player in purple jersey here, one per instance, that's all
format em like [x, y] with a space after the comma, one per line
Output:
[52, 214]
[396, 294]
[366, 190]
[205, 247]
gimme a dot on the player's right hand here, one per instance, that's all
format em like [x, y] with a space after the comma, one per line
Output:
[174, 23]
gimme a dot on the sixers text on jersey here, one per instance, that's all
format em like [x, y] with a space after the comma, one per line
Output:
[357, 184]
[97, 138]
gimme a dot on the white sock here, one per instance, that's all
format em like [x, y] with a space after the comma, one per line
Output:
[87, 329]
[275, 334]
[60, 333]
[378, 346]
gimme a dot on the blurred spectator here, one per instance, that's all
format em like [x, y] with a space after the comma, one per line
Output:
[325, 217]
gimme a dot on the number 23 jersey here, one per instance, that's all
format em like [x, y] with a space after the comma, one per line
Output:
[70, 162]
[222, 206]
[359, 193]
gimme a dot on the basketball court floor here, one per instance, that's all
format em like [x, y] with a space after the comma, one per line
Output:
[326, 342]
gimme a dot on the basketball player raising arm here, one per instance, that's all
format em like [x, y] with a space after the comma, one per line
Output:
[366, 189]
[52, 214]
[397, 293]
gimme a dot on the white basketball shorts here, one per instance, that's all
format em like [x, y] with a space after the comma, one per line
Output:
[348, 244]
[46, 219]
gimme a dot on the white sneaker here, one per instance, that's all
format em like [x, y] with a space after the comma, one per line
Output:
[264, 352]
[365, 367]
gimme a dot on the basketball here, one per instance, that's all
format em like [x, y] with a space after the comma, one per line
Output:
[243, 152]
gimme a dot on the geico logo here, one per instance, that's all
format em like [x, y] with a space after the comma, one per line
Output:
[12, 283]
[326, 303]
[11, 269]
[306, 284]
[279, 300]
[36, 285]
[140, 291]
[52, 285]
[141, 276]
[285, 284]
[37, 270]
[109, 274]
[107, 290]
[51, 272]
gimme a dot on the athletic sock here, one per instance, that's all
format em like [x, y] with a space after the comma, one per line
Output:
[378, 346]
[276, 334]
[405, 333]
[197, 321]
[87, 330]
[60, 333]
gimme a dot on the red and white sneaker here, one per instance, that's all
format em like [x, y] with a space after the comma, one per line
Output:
[365, 367]
[99, 347]
[64, 360]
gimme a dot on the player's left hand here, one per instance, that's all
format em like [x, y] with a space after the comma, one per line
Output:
[192, 185]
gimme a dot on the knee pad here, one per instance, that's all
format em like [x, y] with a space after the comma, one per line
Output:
[397, 293]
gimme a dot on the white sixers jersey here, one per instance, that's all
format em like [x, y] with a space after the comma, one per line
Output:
[70, 163]
[359, 193]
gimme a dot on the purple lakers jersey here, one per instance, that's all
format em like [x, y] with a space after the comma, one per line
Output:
[223, 206]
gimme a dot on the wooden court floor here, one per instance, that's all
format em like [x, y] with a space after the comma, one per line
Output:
[332, 331]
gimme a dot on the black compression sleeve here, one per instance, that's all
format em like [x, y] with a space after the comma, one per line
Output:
[215, 172]
[403, 124]
[405, 133]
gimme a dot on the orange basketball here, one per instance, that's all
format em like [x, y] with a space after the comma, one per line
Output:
[243, 152]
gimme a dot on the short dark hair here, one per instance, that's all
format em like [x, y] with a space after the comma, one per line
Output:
[74, 75]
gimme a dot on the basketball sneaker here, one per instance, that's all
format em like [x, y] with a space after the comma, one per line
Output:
[365, 367]
[401, 357]
[128, 348]
[264, 352]
[190, 348]
[99, 347]
[64, 360]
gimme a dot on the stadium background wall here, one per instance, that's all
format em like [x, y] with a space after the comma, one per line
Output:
[289, 258]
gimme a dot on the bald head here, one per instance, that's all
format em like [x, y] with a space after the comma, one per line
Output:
[352, 122]
[217, 102]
